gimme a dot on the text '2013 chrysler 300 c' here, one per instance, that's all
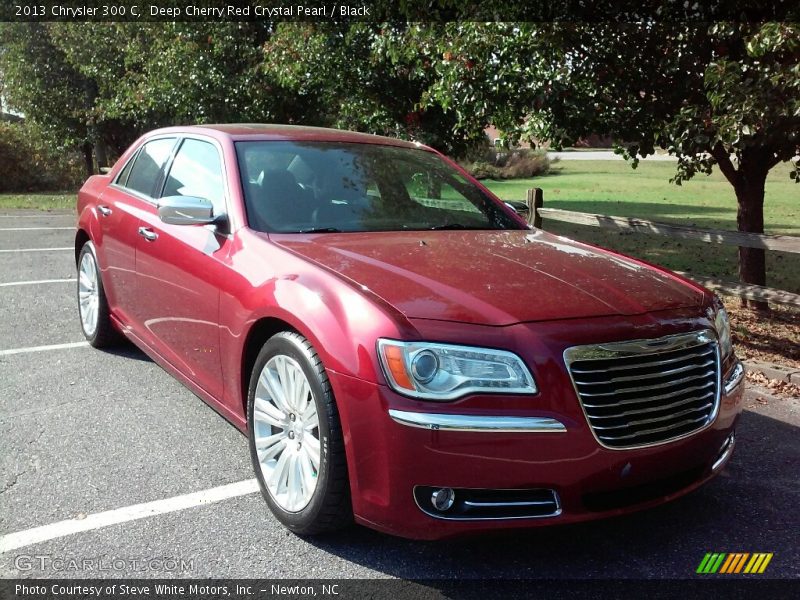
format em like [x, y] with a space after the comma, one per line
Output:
[399, 346]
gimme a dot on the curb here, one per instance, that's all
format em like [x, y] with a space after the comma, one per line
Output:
[773, 371]
[756, 395]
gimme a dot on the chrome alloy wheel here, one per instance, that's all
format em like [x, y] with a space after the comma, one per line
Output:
[286, 433]
[88, 294]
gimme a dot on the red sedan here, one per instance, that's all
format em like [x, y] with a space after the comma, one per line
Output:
[399, 346]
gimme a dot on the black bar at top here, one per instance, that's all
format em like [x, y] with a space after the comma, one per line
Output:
[624, 11]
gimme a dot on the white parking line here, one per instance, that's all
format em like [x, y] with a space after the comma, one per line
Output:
[43, 348]
[33, 228]
[37, 282]
[12, 541]
[37, 249]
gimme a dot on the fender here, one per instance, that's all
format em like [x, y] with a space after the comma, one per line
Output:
[340, 323]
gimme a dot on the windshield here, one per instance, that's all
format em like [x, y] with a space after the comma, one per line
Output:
[331, 187]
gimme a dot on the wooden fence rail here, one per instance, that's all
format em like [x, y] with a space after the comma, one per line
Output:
[783, 243]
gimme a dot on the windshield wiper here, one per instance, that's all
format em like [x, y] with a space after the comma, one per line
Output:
[320, 230]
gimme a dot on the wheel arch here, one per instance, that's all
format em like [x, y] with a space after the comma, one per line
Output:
[81, 237]
[258, 334]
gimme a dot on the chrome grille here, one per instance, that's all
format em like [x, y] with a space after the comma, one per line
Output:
[647, 392]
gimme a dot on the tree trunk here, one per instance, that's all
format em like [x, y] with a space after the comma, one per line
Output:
[88, 159]
[750, 218]
[101, 153]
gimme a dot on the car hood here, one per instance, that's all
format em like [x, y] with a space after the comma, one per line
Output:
[492, 277]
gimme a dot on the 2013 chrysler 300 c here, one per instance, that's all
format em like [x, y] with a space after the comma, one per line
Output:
[400, 347]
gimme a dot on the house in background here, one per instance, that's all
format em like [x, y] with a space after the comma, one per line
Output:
[592, 141]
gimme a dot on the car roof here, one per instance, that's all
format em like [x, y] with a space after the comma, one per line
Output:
[262, 131]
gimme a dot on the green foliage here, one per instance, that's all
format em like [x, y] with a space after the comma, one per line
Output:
[702, 92]
[363, 76]
[103, 84]
[156, 74]
[31, 164]
[39, 81]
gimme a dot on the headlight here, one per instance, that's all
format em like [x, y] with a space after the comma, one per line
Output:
[444, 372]
[723, 326]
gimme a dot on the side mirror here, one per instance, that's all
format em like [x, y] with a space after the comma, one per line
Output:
[186, 210]
[519, 207]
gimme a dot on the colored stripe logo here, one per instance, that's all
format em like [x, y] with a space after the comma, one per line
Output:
[734, 562]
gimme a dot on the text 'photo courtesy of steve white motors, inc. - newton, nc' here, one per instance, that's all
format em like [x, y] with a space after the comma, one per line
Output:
[286, 11]
[195, 590]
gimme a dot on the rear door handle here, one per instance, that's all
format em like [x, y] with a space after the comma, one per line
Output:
[104, 210]
[148, 234]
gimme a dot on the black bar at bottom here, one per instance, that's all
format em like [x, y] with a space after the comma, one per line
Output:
[729, 587]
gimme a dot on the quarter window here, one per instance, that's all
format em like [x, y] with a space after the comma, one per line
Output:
[148, 164]
[197, 171]
[122, 178]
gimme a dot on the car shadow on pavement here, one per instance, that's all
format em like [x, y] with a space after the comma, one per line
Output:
[749, 507]
[127, 350]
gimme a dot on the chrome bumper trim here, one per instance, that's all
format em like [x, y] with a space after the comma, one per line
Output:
[445, 422]
[726, 452]
[735, 378]
[451, 516]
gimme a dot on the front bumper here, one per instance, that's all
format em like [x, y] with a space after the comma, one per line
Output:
[396, 444]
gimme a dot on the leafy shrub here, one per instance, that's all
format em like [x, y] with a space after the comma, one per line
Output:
[526, 163]
[509, 164]
[484, 170]
[31, 164]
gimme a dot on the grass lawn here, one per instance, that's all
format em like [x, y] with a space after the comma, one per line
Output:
[613, 188]
[49, 201]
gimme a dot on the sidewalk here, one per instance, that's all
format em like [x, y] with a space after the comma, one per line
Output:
[603, 155]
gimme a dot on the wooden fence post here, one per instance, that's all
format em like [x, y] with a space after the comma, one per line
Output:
[535, 201]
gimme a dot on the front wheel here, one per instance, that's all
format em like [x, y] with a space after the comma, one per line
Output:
[295, 436]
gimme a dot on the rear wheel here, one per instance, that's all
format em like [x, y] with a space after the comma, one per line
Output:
[296, 443]
[92, 305]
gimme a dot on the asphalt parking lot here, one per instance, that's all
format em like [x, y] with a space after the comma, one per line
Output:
[85, 431]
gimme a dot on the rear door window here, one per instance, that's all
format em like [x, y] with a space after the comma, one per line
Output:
[148, 164]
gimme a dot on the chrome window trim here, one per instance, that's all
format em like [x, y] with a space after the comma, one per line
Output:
[632, 348]
[477, 423]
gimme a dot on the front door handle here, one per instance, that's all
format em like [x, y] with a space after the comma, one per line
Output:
[104, 210]
[148, 234]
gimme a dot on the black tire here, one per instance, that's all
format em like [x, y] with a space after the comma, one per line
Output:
[104, 334]
[330, 507]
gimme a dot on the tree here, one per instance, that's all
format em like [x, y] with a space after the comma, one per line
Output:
[723, 94]
[39, 82]
[99, 85]
[358, 75]
[177, 73]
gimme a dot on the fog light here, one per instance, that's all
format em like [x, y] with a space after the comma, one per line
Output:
[442, 499]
